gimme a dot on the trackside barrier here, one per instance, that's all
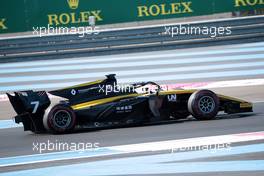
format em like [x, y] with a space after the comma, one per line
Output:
[250, 29]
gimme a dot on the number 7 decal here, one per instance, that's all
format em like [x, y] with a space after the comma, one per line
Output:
[36, 105]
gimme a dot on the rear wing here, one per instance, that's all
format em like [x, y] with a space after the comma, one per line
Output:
[30, 107]
[29, 101]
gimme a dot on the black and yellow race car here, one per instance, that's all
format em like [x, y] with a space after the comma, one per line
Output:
[104, 103]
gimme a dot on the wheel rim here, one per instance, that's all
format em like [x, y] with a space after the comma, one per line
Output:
[62, 119]
[206, 104]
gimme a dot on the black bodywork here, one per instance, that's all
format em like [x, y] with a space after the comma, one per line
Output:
[94, 108]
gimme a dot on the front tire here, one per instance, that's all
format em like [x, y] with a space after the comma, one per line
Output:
[59, 118]
[203, 104]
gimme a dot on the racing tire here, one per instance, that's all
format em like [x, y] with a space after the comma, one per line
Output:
[203, 105]
[59, 119]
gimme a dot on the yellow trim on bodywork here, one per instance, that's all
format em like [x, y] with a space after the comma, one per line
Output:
[84, 84]
[243, 103]
[110, 99]
[103, 101]
[230, 98]
[177, 92]
[246, 105]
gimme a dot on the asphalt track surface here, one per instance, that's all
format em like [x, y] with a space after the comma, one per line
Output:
[15, 142]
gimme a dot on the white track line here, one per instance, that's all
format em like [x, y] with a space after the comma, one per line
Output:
[199, 85]
[173, 144]
[132, 148]
[128, 57]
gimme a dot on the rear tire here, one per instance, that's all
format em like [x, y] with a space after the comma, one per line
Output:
[203, 104]
[59, 118]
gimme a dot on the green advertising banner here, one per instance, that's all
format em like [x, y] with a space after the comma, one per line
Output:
[18, 15]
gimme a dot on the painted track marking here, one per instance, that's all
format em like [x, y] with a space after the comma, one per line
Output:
[131, 148]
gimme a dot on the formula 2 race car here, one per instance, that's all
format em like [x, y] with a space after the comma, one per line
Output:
[92, 105]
